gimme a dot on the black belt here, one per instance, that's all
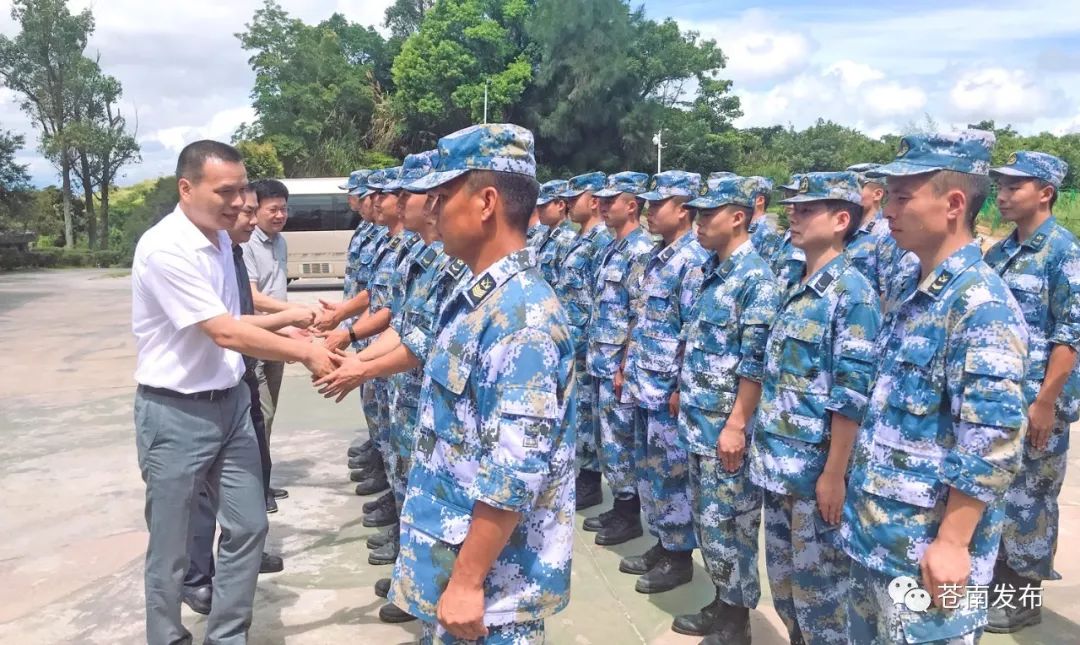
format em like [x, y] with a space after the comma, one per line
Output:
[207, 395]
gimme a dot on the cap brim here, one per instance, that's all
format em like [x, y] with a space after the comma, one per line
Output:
[1010, 171]
[704, 203]
[567, 194]
[344, 187]
[653, 196]
[540, 201]
[901, 169]
[607, 192]
[435, 180]
[798, 199]
[360, 191]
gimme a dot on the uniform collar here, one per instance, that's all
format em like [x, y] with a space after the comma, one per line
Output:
[825, 277]
[483, 285]
[721, 269]
[943, 274]
[1038, 239]
[261, 236]
[670, 250]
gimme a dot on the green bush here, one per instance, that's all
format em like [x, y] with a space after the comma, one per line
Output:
[50, 258]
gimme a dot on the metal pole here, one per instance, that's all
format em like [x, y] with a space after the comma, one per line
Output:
[659, 149]
[485, 100]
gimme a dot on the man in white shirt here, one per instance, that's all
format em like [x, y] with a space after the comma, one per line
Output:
[192, 422]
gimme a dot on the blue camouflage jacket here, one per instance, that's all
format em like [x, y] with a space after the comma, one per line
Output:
[577, 279]
[765, 238]
[947, 410]
[613, 311]
[872, 250]
[1043, 274]
[819, 360]
[536, 234]
[495, 427]
[668, 289]
[387, 264]
[352, 258]
[725, 341]
[553, 249]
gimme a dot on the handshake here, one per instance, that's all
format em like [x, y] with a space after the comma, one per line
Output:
[333, 371]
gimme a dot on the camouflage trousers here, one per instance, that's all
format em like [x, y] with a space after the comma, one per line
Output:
[874, 619]
[1029, 533]
[530, 633]
[663, 478]
[727, 517]
[404, 417]
[808, 572]
[377, 414]
[616, 422]
[585, 401]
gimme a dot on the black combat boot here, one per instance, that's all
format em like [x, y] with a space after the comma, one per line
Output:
[639, 565]
[702, 623]
[624, 526]
[589, 490]
[733, 627]
[674, 569]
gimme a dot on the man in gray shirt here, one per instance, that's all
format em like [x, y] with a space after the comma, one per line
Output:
[266, 256]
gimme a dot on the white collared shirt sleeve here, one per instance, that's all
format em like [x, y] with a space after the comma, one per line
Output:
[183, 292]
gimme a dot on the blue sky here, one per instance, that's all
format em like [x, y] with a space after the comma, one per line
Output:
[878, 66]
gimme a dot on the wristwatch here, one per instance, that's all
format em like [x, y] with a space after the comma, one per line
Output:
[352, 335]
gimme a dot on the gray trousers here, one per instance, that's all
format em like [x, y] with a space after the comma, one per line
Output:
[184, 447]
[269, 374]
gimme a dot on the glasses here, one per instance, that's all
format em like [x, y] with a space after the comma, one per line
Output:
[278, 210]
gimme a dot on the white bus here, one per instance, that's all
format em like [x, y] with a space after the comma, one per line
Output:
[319, 227]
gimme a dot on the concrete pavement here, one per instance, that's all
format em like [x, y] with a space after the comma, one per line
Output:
[71, 502]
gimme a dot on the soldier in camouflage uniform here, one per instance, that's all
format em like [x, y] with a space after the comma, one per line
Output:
[1040, 262]
[538, 230]
[763, 233]
[942, 437]
[619, 270]
[716, 177]
[872, 249]
[719, 388]
[574, 286]
[818, 368]
[651, 373]
[493, 466]
[554, 245]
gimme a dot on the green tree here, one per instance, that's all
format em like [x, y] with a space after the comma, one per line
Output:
[404, 17]
[261, 160]
[442, 70]
[40, 63]
[14, 184]
[316, 89]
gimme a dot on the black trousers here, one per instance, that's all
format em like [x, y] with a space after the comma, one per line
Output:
[204, 520]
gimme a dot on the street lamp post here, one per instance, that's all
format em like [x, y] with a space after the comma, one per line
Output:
[486, 82]
[658, 139]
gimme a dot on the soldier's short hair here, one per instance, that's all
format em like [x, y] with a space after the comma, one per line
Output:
[194, 156]
[518, 192]
[975, 187]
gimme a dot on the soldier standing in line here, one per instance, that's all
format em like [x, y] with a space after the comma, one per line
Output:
[487, 525]
[1040, 262]
[719, 389]
[942, 437]
[553, 247]
[619, 270]
[651, 373]
[818, 368]
[574, 286]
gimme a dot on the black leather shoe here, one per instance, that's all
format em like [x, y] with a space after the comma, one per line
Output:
[369, 459]
[589, 490]
[639, 565]
[621, 528]
[386, 498]
[1001, 620]
[271, 504]
[356, 451]
[198, 598]
[382, 587]
[271, 563]
[382, 516]
[372, 485]
[702, 623]
[391, 613]
[733, 627]
[597, 522]
[385, 554]
[360, 474]
[673, 570]
[279, 493]
[382, 537]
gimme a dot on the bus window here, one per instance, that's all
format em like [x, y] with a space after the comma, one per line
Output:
[320, 213]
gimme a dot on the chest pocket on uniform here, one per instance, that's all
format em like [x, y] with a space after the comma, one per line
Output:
[1028, 291]
[455, 414]
[802, 357]
[916, 395]
[611, 284]
[712, 336]
[365, 257]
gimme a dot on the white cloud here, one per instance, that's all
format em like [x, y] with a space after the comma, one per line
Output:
[891, 99]
[757, 51]
[1001, 94]
[853, 74]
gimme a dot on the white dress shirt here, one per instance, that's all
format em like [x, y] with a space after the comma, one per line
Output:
[178, 279]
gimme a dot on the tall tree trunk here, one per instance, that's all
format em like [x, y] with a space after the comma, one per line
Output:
[69, 230]
[88, 197]
[104, 239]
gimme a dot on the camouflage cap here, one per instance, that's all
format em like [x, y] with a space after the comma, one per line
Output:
[629, 181]
[819, 186]
[967, 151]
[714, 177]
[357, 179]
[793, 183]
[416, 166]
[549, 190]
[672, 183]
[380, 179]
[501, 147]
[593, 181]
[762, 185]
[861, 169]
[729, 190]
[1039, 165]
